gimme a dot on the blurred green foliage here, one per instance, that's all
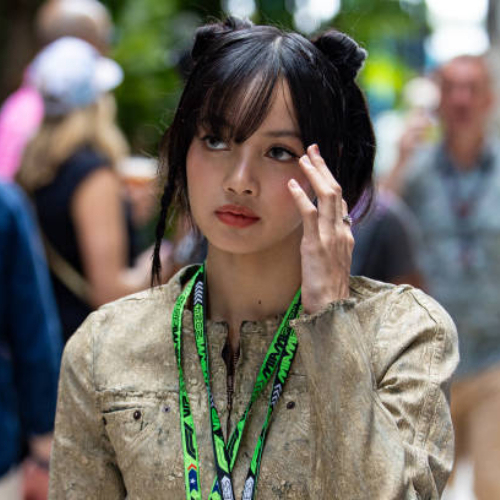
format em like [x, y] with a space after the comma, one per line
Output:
[373, 20]
[393, 32]
[145, 39]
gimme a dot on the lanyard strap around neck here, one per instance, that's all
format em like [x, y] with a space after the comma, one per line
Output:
[278, 359]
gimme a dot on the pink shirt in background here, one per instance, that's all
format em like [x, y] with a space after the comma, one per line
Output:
[20, 117]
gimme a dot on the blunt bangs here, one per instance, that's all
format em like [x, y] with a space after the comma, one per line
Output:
[317, 97]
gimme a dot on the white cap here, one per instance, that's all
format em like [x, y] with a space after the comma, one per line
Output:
[70, 73]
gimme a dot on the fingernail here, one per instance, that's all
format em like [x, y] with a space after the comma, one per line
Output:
[315, 149]
[293, 184]
[306, 159]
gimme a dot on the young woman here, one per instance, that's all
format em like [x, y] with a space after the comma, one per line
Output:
[267, 372]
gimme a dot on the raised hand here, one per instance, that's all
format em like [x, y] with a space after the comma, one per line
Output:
[327, 243]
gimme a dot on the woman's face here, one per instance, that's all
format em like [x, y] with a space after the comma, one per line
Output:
[238, 192]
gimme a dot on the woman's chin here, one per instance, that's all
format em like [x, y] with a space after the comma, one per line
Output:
[234, 248]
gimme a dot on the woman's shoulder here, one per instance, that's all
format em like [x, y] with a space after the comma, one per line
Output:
[382, 299]
[80, 164]
[386, 301]
[70, 174]
[124, 342]
[400, 318]
[86, 157]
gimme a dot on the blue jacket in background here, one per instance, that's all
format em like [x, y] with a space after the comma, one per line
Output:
[30, 337]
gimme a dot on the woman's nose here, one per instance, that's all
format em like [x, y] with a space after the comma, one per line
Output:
[241, 177]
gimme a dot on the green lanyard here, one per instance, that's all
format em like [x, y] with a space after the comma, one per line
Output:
[278, 359]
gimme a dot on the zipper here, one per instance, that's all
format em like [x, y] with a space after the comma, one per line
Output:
[231, 359]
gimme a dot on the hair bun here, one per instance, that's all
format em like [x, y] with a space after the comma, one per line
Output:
[344, 53]
[205, 36]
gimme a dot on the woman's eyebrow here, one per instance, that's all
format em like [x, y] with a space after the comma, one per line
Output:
[282, 133]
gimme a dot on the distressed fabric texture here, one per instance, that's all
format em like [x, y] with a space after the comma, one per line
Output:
[364, 413]
[469, 289]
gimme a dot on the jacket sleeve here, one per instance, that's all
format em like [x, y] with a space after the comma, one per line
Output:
[381, 405]
[83, 461]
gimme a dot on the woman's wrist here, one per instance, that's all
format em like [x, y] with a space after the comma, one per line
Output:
[315, 302]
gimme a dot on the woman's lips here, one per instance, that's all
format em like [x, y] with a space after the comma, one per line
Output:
[236, 216]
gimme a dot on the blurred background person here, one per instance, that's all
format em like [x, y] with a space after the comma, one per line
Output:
[453, 188]
[68, 170]
[30, 349]
[386, 242]
[388, 237]
[85, 19]
[22, 112]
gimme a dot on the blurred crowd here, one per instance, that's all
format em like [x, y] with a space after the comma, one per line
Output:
[74, 205]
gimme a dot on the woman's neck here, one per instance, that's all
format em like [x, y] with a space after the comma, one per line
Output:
[251, 287]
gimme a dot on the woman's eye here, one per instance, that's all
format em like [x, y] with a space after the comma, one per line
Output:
[281, 154]
[214, 143]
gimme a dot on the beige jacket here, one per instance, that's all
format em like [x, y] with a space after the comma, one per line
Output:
[364, 413]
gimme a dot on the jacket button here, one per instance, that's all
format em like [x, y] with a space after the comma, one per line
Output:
[166, 409]
[290, 405]
[137, 415]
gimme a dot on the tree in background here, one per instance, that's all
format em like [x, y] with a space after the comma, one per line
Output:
[393, 32]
